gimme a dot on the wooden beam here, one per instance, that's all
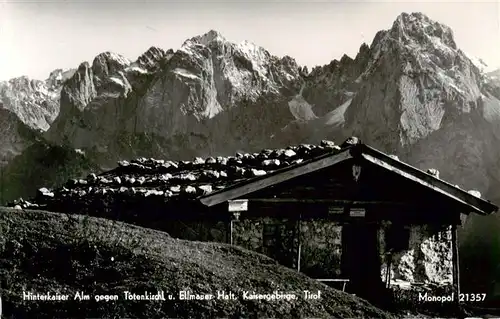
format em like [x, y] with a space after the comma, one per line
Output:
[298, 258]
[427, 180]
[299, 241]
[456, 269]
[279, 176]
[388, 270]
[228, 220]
[333, 202]
[344, 281]
[231, 229]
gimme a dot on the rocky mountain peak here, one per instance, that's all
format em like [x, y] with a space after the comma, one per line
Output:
[151, 58]
[58, 77]
[108, 63]
[364, 50]
[34, 102]
[417, 35]
[56, 74]
[413, 79]
[418, 27]
[207, 38]
[79, 90]
[247, 52]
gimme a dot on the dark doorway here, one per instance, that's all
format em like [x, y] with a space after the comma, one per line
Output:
[360, 258]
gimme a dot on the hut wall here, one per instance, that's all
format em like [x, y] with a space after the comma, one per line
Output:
[320, 241]
[426, 259]
[321, 249]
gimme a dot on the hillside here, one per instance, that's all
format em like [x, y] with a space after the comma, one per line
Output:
[44, 252]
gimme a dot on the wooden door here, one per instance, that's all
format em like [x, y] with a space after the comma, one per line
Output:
[360, 257]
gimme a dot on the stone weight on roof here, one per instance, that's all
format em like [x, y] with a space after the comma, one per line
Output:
[148, 177]
[434, 172]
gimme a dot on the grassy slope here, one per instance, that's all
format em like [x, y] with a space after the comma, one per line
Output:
[42, 251]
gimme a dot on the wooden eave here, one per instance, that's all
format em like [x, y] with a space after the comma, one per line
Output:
[281, 175]
[364, 153]
[475, 204]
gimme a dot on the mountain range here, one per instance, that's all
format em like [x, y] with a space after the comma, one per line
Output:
[412, 92]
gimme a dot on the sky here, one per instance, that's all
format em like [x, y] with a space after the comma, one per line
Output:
[39, 36]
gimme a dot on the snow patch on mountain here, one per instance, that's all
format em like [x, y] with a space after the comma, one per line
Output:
[491, 109]
[212, 74]
[117, 81]
[337, 116]
[107, 64]
[257, 56]
[152, 58]
[135, 68]
[208, 38]
[492, 78]
[185, 73]
[58, 77]
[300, 109]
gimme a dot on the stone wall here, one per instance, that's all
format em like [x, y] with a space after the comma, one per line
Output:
[276, 238]
[320, 243]
[321, 253]
[428, 258]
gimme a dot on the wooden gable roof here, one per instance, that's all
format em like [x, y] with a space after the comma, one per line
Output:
[362, 154]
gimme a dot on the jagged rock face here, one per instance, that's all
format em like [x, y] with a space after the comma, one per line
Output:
[413, 93]
[108, 63]
[58, 77]
[190, 98]
[150, 60]
[93, 95]
[207, 76]
[15, 136]
[35, 102]
[334, 84]
[26, 107]
[418, 82]
[410, 82]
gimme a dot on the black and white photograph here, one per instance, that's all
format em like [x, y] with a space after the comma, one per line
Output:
[249, 159]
